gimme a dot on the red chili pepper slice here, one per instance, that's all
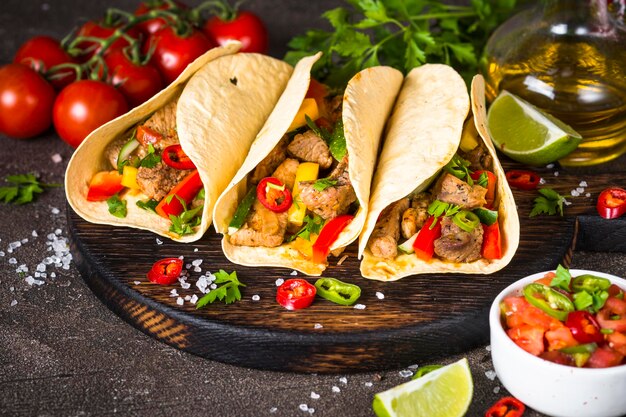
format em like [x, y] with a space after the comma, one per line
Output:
[175, 157]
[328, 235]
[506, 407]
[584, 327]
[611, 203]
[275, 197]
[491, 186]
[492, 244]
[295, 294]
[524, 180]
[186, 190]
[166, 271]
[103, 185]
[424, 245]
[148, 136]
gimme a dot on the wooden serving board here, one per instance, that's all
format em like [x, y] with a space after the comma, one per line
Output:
[420, 318]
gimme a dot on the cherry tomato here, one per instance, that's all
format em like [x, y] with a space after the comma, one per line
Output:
[42, 53]
[295, 294]
[584, 327]
[506, 407]
[99, 30]
[137, 82]
[26, 101]
[151, 26]
[173, 53]
[166, 271]
[175, 157]
[246, 27]
[83, 106]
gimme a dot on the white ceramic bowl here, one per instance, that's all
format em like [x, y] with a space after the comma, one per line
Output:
[550, 388]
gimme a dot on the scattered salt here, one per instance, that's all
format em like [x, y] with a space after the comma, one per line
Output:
[311, 410]
[273, 410]
[188, 298]
[137, 282]
[41, 267]
[550, 166]
[2, 253]
[213, 286]
[588, 195]
[37, 274]
[368, 384]
[567, 203]
[57, 231]
[174, 293]
[180, 301]
[11, 289]
[187, 266]
[315, 395]
[488, 348]
[380, 295]
[256, 297]
[303, 407]
[294, 273]
[13, 303]
[317, 326]
[13, 261]
[542, 181]
[574, 193]
[335, 389]
[53, 275]
[556, 173]
[491, 375]
[343, 380]
[405, 373]
[279, 282]
[22, 268]
[197, 269]
[413, 366]
[195, 249]
[580, 190]
[194, 299]
[55, 210]
[56, 158]
[185, 285]
[25, 240]
[197, 262]
[496, 390]
[159, 241]
[359, 306]
[583, 184]
[202, 284]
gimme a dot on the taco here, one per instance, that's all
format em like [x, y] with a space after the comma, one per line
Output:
[440, 200]
[303, 190]
[162, 166]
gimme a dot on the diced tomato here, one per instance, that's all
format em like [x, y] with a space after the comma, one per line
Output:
[547, 279]
[491, 186]
[613, 315]
[529, 338]
[617, 342]
[104, 185]
[614, 290]
[604, 357]
[560, 338]
[518, 311]
[148, 136]
[558, 357]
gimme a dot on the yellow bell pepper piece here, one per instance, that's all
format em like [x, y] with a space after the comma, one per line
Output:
[308, 108]
[129, 177]
[469, 138]
[307, 171]
[305, 247]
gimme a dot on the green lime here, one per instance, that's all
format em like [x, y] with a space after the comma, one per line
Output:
[527, 134]
[445, 392]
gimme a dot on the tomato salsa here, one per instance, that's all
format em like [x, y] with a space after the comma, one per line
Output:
[575, 321]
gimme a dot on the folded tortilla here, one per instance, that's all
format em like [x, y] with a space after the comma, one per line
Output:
[424, 134]
[224, 97]
[367, 102]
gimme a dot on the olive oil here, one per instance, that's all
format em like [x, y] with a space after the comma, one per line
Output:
[571, 66]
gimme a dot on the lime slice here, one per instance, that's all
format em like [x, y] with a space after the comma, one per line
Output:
[445, 392]
[527, 134]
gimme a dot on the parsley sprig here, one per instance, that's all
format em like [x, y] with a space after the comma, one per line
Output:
[401, 33]
[324, 183]
[228, 292]
[22, 188]
[311, 225]
[184, 223]
[549, 202]
[438, 208]
[459, 167]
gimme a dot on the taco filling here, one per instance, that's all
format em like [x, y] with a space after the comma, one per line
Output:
[301, 185]
[148, 162]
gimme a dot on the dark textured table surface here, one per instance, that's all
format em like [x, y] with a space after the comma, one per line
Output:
[63, 353]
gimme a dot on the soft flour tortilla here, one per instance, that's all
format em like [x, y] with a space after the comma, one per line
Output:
[425, 133]
[367, 102]
[217, 120]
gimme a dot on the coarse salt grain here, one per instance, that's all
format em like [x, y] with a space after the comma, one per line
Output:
[2, 253]
[556, 173]
[335, 389]
[174, 293]
[413, 366]
[56, 158]
[53, 275]
[185, 285]
[380, 295]
[317, 326]
[213, 286]
[13, 303]
[195, 249]
[315, 395]
[197, 269]
[11, 289]
[580, 190]
[280, 282]
[55, 210]
[588, 195]
[491, 375]
[550, 166]
[574, 193]
[194, 299]
[311, 410]
[496, 390]
[368, 384]
[273, 410]
[405, 373]
[180, 301]
[159, 241]
[488, 348]
[136, 282]
[359, 306]
[303, 407]
[256, 297]
[542, 181]
[196, 262]
[294, 273]
[567, 203]
[583, 184]
[188, 298]
[13, 261]
[25, 240]
[343, 380]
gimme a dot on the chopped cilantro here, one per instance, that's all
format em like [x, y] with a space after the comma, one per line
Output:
[324, 183]
[184, 223]
[151, 159]
[149, 205]
[22, 189]
[459, 167]
[319, 131]
[117, 207]
[311, 225]
[228, 292]
[549, 202]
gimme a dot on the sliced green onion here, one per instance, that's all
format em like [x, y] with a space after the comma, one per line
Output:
[125, 152]
[606, 331]
[487, 217]
[466, 220]
[585, 348]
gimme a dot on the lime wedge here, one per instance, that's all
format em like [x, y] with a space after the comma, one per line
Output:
[526, 134]
[445, 392]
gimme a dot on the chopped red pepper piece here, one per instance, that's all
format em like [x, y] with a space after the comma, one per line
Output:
[104, 185]
[273, 194]
[186, 190]
[295, 294]
[506, 407]
[317, 91]
[328, 235]
[584, 327]
[148, 136]
[492, 245]
[175, 157]
[611, 203]
[166, 271]
[524, 180]
[424, 245]
[491, 186]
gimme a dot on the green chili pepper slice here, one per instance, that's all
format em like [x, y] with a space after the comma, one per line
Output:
[584, 348]
[466, 220]
[590, 283]
[337, 291]
[426, 369]
[548, 300]
[486, 216]
[242, 211]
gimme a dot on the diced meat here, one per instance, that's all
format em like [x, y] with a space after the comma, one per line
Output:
[286, 172]
[309, 147]
[384, 240]
[334, 200]
[113, 150]
[163, 120]
[157, 182]
[263, 227]
[457, 245]
[479, 159]
[415, 216]
[331, 108]
[453, 190]
[271, 162]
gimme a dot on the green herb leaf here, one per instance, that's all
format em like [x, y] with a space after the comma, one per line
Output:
[228, 292]
[548, 203]
[151, 159]
[324, 183]
[201, 195]
[184, 223]
[438, 208]
[459, 167]
[149, 205]
[117, 207]
[562, 279]
[311, 225]
[321, 132]
[22, 189]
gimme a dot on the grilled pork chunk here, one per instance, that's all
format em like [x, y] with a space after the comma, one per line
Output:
[415, 216]
[309, 147]
[384, 240]
[156, 182]
[453, 190]
[457, 245]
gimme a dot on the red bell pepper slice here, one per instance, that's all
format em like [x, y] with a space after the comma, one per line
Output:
[317, 91]
[277, 199]
[492, 245]
[328, 235]
[148, 136]
[506, 407]
[424, 245]
[166, 271]
[612, 203]
[104, 185]
[186, 190]
[175, 157]
[523, 180]
[584, 327]
[295, 294]
[491, 186]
